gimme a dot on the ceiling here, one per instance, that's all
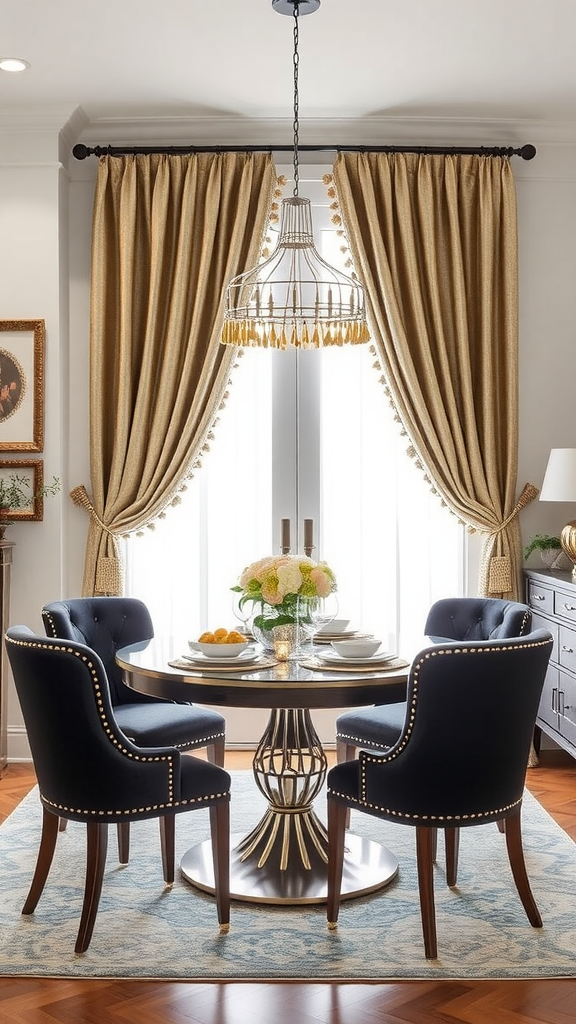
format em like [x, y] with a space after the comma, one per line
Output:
[231, 60]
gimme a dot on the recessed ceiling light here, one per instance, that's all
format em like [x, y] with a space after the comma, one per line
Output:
[13, 64]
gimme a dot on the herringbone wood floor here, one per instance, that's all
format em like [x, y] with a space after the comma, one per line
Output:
[41, 1001]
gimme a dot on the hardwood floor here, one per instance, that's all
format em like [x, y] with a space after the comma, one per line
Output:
[50, 1001]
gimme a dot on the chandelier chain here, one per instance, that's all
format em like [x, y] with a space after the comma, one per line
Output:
[296, 126]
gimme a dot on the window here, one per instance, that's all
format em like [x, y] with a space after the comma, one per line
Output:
[305, 435]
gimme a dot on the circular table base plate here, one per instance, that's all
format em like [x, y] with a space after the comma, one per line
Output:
[367, 866]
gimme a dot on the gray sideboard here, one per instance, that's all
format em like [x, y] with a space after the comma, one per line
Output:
[552, 598]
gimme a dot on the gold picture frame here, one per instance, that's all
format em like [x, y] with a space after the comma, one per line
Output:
[22, 385]
[27, 477]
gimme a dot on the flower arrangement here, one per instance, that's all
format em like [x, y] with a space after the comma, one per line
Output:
[277, 579]
[286, 588]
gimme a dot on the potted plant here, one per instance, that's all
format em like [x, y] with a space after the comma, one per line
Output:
[16, 495]
[550, 549]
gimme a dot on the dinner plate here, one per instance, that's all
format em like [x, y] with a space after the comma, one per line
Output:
[327, 638]
[246, 658]
[375, 659]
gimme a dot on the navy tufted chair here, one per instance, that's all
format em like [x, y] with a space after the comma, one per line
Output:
[106, 623]
[452, 618]
[88, 770]
[441, 774]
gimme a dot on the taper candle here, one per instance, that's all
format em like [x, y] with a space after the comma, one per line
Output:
[285, 536]
[308, 535]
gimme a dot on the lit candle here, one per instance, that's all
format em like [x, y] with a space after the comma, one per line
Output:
[308, 535]
[285, 536]
[281, 650]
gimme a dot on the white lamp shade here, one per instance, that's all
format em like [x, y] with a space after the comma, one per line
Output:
[560, 477]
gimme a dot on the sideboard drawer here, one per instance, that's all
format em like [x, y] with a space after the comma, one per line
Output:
[540, 598]
[567, 648]
[539, 622]
[565, 606]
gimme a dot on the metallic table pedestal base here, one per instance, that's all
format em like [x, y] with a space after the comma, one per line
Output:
[284, 859]
[367, 867]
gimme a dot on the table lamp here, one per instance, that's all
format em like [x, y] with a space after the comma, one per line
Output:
[560, 485]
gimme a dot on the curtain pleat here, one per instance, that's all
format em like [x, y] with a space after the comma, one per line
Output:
[169, 232]
[434, 240]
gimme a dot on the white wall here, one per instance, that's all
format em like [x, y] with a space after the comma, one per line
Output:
[45, 228]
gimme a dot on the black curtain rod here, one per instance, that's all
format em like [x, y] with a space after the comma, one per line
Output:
[527, 152]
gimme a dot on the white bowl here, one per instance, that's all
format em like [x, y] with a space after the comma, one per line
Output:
[218, 650]
[356, 648]
[336, 626]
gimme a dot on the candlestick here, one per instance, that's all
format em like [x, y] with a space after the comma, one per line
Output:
[308, 536]
[285, 536]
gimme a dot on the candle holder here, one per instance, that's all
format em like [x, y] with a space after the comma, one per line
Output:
[282, 650]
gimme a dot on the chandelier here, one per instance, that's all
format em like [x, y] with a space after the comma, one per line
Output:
[294, 298]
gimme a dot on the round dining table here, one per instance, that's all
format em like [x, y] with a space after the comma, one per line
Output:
[283, 858]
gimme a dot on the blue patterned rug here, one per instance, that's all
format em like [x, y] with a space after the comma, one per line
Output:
[145, 931]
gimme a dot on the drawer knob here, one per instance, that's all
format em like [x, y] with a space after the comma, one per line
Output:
[569, 608]
[569, 650]
[539, 597]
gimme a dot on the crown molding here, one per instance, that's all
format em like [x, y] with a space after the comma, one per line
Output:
[372, 130]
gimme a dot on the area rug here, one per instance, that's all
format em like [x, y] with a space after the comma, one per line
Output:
[144, 930]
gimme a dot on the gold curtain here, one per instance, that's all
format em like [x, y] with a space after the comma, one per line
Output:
[169, 232]
[434, 240]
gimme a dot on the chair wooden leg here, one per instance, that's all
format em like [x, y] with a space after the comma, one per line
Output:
[337, 818]
[95, 862]
[167, 845]
[451, 843]
[62, 824]
[50, 828]
[424, 844]
[513, 833]
[220, 837]
[501, 825]
[123, 829]
[435, 845]
[344, 751]
[217, 751]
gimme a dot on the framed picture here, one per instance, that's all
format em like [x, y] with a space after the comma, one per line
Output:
[22, 385]
[21, 488]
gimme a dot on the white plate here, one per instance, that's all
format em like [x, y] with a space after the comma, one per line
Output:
[374, 659]
[327, 638]
[325, 634]
[246, 658]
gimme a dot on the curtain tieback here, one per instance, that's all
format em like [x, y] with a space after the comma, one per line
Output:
[500, 571]
[108, 578]
[529, 492]
[80, 497]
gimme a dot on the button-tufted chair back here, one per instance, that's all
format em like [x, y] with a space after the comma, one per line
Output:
[477, 618]
[104, 624]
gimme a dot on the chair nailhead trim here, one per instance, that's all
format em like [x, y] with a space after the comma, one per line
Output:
[114, 738]
[211, 798]
[367, 758]
[443, 819]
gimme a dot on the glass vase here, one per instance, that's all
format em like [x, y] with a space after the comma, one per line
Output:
[288, 627]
